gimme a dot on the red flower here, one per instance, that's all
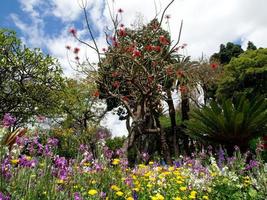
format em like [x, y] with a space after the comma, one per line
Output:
[125, 98]
[169, 71]
[96, 93]
[183, 46]
[115, 74]
[136, 53]
[73, 31]
[120, 10]
[121, 25]
[104, 49]
[163, 40]
[214, 65]
[150, 78]
[183, 89]
[149, 48]
[122, 32]
[179, 73]
[116, 84]
[68, 47]
[157, 48]
[167, 16]
[76, 50]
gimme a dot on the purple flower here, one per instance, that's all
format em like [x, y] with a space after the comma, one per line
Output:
[4, 197]
[53, 142]
[77, 196]
[220, 157]
[8, 120]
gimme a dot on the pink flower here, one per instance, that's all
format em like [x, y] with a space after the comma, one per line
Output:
[73, 31]
[120, 10]
[68, 47]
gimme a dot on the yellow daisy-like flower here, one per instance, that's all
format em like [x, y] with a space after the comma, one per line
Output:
[205, 197]
[115, 188]
[92, 192]
[14, 161]
[116, 161]
[119, 193]
[59, 181]
[129, 198]
[157, 197]
[183, 188]
[177, 198]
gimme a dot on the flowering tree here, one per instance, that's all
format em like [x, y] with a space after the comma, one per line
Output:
[137, 71]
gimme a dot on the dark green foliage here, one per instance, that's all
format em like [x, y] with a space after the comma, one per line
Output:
[251, 46]
[246, 75]
[227, 52]
[115, 143]
[230, 123]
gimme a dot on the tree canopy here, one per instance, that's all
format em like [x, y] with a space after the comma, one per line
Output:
[246, 75]
[29, 79]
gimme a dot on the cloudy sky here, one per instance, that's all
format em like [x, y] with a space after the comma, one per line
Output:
[207, 23]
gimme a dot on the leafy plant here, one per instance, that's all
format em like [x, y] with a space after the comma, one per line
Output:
[230, 123]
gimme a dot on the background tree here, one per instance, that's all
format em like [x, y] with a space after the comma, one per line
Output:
[29, 80]
[251, 46]
[80, 105]
[226, 53]
[246, 75]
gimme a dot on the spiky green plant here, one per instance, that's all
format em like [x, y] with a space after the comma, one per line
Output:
[230, 122]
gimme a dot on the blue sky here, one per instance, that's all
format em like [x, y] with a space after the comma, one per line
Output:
[44, 24]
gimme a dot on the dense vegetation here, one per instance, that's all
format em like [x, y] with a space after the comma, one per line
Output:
[193, 150]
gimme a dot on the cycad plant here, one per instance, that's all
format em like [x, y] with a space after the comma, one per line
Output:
[230, 122]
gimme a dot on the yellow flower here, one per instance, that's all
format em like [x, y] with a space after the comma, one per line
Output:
[192, 197]
[183, 188]
[179, 182]
[115, 188]
[116, 161]
[119, 193]
[149, 185]
[177, 198]
[151, 163]
[15, 161]
[130, 198]
[205, 197]
[157, 197]
[59, 181]
[92, 192]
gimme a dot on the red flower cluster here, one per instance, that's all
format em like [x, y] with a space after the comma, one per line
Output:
[76, 50]
[115, 74]
[150, 79]
[152, 48]
[116, 84]
[214, 65]
[96, 93]
[163, 40]
[125, 98]
[169, 71]
[136, 53]
[122, 32]
[179, 73]
[183, 89]
[73, 31]
[120, 10]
